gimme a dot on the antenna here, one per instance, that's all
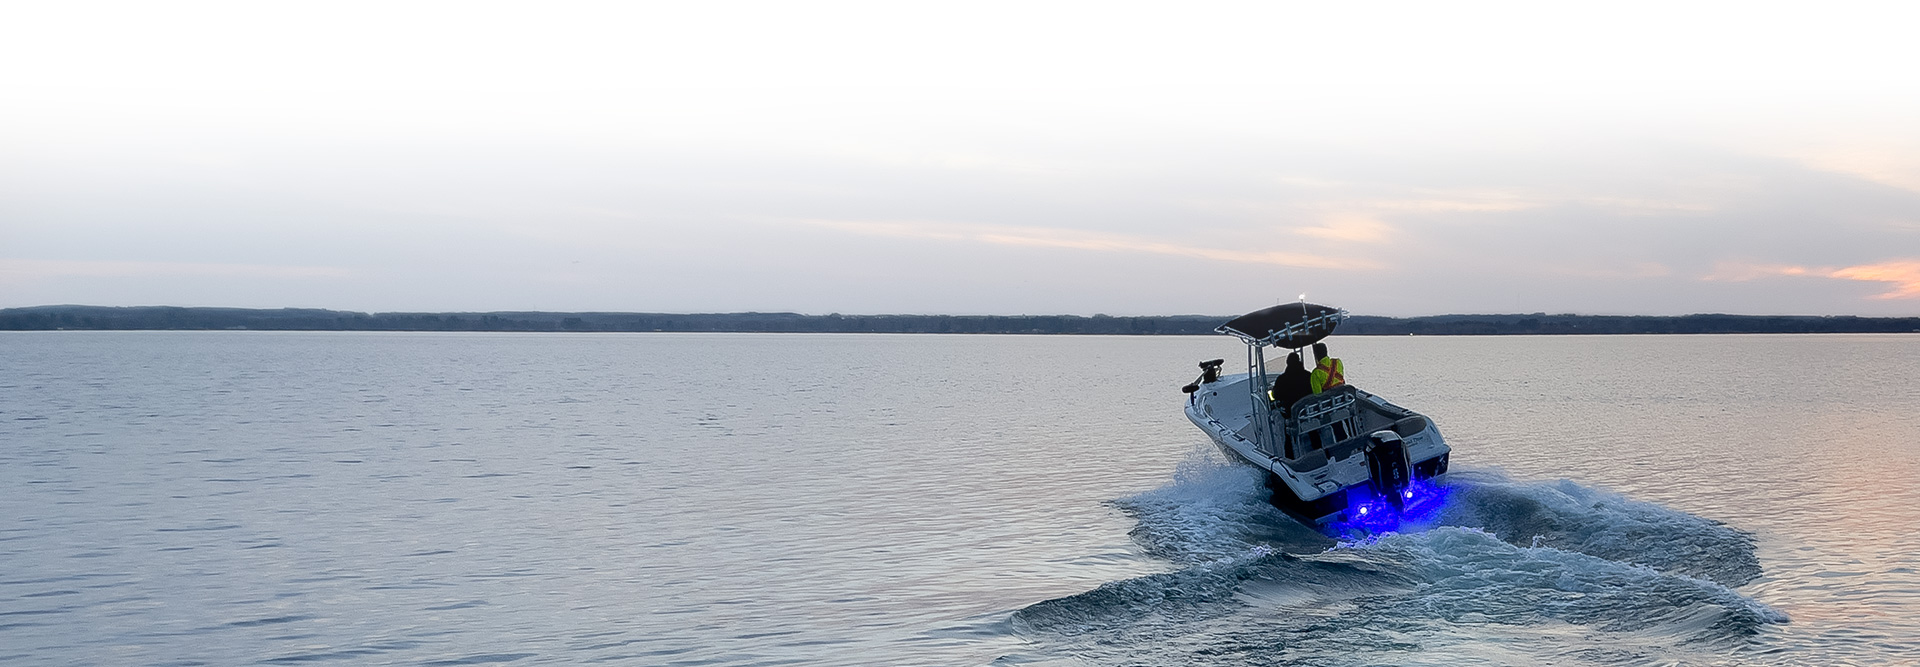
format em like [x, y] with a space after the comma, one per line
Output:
[1303, 316]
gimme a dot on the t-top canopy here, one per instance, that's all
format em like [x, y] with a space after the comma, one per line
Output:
[1290, 325]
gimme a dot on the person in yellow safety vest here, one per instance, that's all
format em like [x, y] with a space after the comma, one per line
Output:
[1328, 372]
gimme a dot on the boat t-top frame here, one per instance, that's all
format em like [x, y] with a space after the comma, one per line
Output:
[1291, 326]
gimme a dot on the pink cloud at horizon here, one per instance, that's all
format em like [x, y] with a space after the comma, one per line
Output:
[1903, 274]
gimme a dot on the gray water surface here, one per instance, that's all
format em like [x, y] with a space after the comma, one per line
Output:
[656, 499]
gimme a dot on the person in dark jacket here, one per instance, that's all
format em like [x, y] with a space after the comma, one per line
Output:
[1293, 384]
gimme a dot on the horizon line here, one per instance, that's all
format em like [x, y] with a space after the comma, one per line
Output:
[840, 314]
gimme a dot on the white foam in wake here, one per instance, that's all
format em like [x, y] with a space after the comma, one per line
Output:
[1524, 558]
[1213, 509]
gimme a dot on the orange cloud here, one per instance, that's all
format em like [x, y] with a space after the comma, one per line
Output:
[1741, 271]
[1903, 274]
[1350, 228]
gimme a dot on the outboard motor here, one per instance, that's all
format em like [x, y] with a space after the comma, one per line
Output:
[1388, 467]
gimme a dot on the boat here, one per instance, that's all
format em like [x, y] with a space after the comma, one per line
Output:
[1343, 460]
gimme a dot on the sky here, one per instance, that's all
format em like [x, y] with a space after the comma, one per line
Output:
[963, 158]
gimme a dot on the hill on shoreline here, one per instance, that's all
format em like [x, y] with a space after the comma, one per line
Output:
[45, 318]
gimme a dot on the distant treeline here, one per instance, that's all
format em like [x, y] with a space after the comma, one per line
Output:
[41, 318]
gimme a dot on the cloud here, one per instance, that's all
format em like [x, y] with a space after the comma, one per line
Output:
[1041, 237]
[1416, 201]
[1427, 200]
[15, 270]
[1903, 274]
[1893, 166]
[1350, 228]
[1433, 200]
[1744, 271]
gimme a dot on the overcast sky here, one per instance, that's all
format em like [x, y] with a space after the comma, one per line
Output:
[967, 157]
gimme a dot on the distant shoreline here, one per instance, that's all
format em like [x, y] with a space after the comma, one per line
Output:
[48, 318]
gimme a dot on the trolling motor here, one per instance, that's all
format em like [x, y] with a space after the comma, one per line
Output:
[1388, 468]
[1209, 372]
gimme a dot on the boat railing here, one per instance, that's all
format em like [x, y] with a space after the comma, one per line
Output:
[1319, 407]
[1334, 408]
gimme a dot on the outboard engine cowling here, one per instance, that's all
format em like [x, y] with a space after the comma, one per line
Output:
[1388, 468]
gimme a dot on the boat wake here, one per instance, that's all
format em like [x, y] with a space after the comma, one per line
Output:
[1510, 573]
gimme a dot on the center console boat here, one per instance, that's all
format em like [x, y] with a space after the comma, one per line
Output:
[1342, 459]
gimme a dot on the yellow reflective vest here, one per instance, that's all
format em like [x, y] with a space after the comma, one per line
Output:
[1327, 374]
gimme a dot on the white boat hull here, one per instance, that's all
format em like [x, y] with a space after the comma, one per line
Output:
[1315, 484]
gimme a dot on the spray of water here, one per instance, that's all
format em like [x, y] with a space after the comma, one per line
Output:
[1502, 567]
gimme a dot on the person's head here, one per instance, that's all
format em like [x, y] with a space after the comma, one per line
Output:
[1293, 361]
[1319, 351]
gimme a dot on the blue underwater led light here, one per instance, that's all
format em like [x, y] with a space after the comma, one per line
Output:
[1368, 513]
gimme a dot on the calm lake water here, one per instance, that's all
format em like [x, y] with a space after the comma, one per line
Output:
[227, 498]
